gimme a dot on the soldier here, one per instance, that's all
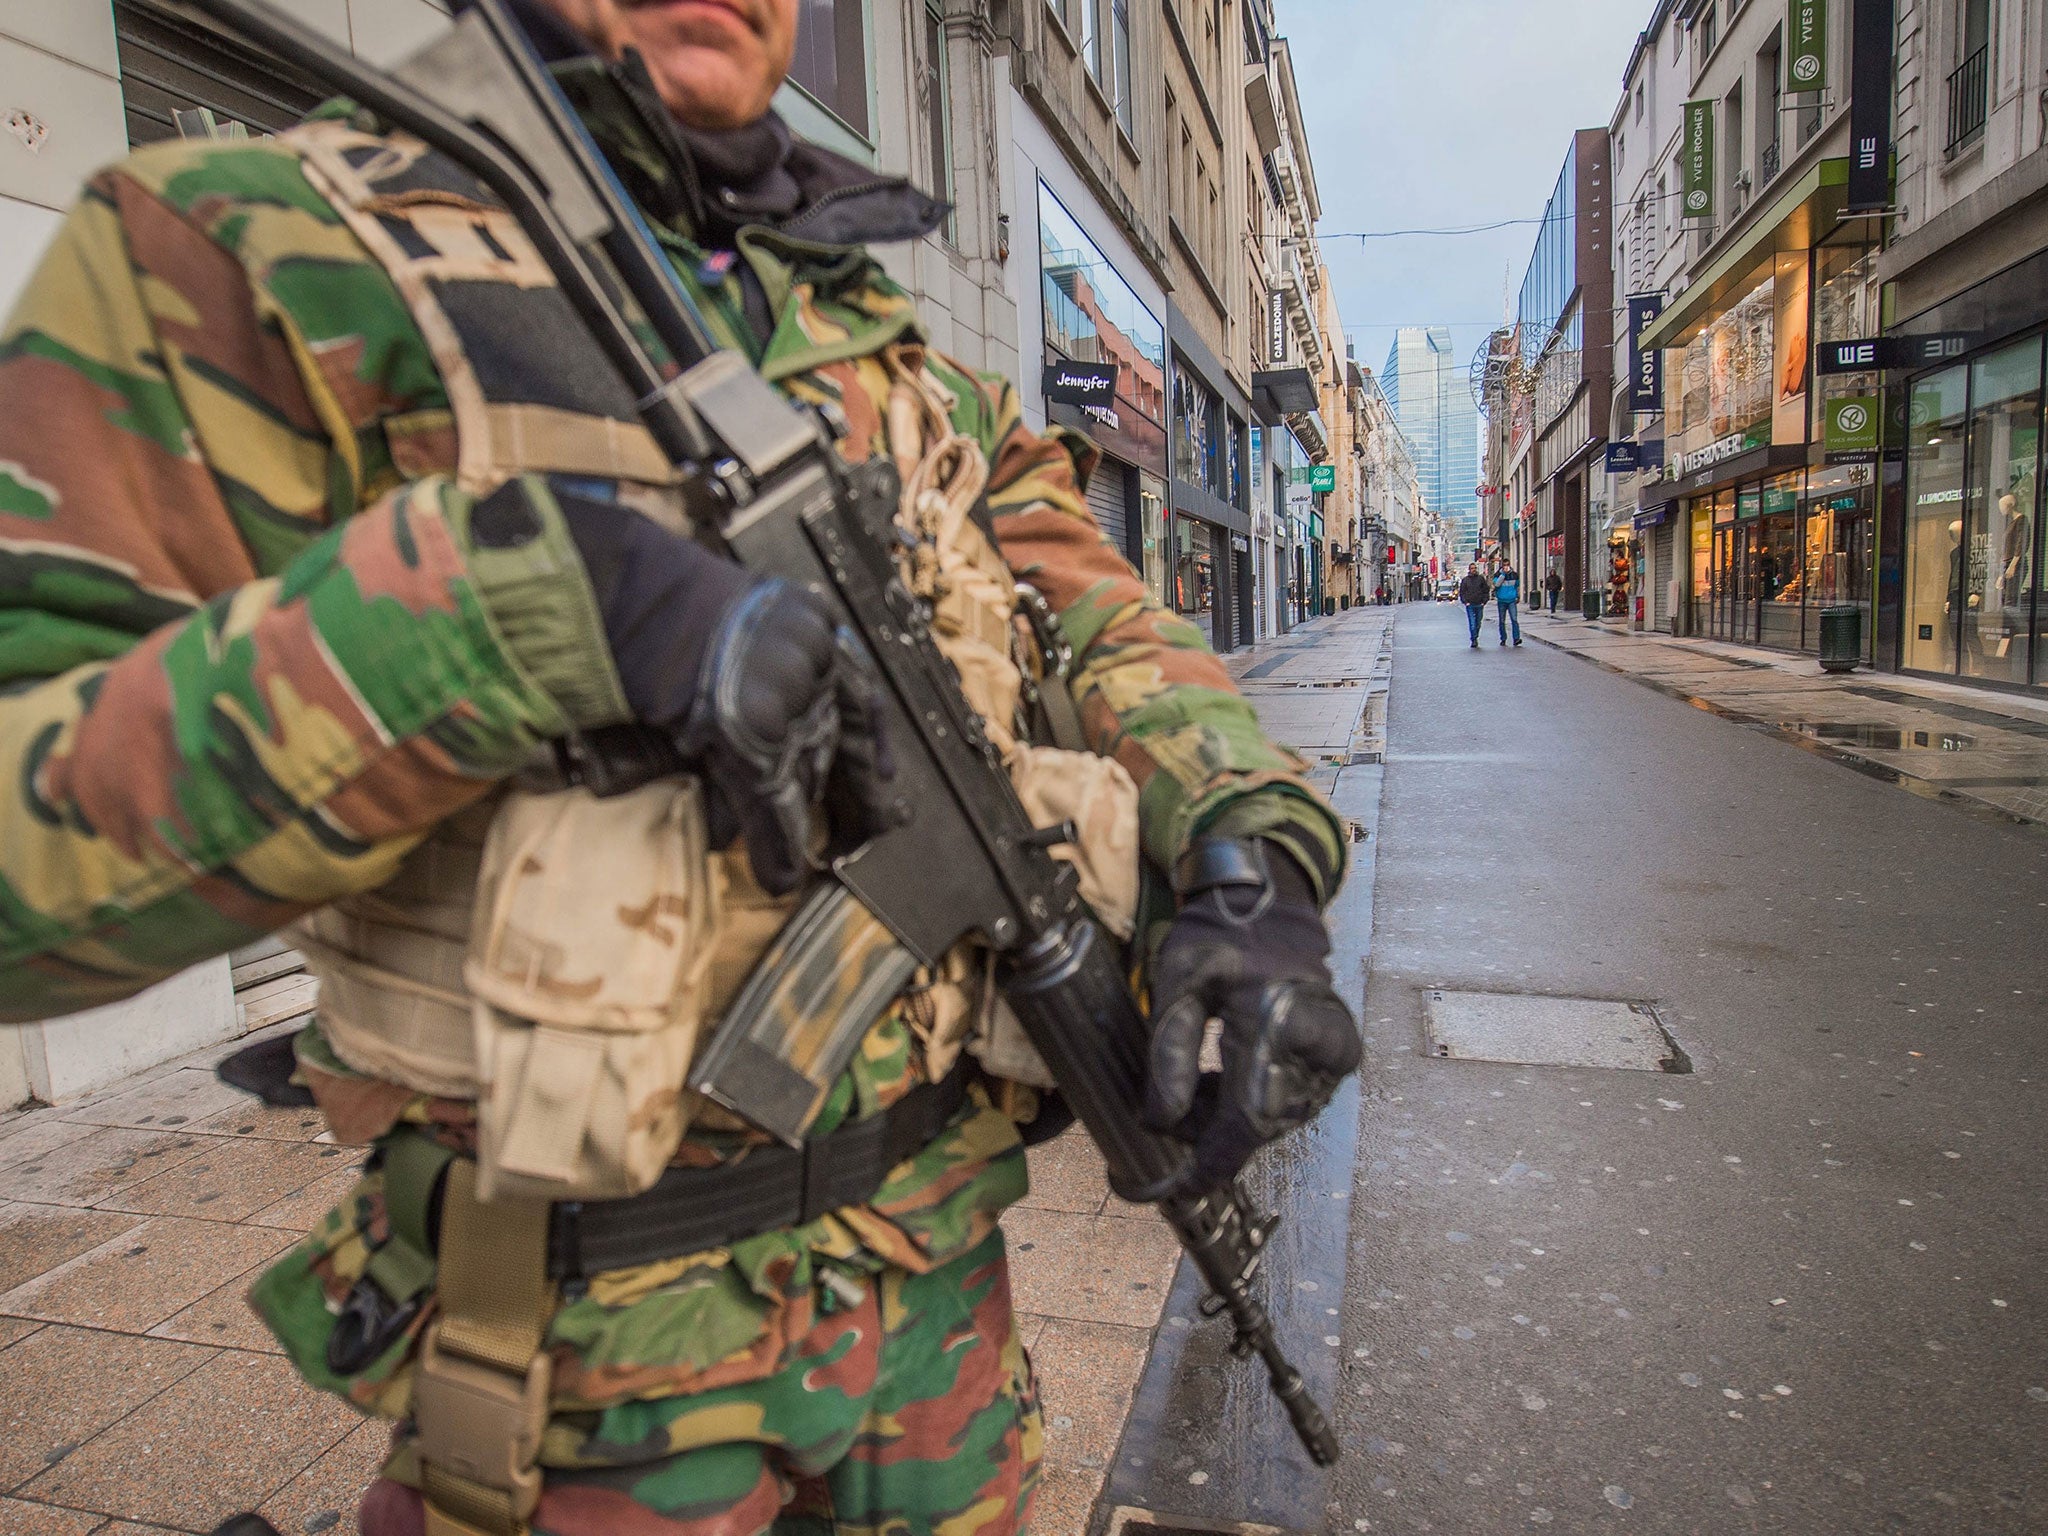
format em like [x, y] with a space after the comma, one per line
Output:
[314, 539]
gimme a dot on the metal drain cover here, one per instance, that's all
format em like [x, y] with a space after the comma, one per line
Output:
[1549, 1031]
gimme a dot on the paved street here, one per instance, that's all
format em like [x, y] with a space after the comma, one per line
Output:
[1801, 1289]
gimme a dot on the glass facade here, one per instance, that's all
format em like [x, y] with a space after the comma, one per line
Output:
[1769, 554]
[1974, 599]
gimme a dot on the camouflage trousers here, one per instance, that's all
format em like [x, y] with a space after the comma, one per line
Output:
[912, 1413]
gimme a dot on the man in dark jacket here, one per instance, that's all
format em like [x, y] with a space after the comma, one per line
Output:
[1473, 592]
[1552, 585]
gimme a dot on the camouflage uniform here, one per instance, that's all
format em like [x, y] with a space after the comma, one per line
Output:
[252, 659]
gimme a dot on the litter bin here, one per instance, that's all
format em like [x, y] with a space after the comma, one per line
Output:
[1841, 638]
[1589, 603]
[1329, 606]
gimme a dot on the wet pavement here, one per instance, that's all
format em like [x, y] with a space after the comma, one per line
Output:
[1800, 1288]
[1983, 750]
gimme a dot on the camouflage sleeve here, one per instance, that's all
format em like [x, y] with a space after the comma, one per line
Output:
[1150, 691]
[243, 667]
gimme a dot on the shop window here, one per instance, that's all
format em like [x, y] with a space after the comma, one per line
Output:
[1122, 91]
[938, 108]
[1152, 550]
[1937, 570]
[1092, 315]
[2000, 502]
[831, 59]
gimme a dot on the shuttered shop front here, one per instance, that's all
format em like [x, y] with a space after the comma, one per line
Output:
[174, 67]
[1107, 499]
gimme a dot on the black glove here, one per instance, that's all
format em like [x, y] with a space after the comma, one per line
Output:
[1248, 948]
[751, 682]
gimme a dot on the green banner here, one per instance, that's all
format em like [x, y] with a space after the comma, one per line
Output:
[1806, 46]
[1322, 477]
[1850, 425]
[1696, 157]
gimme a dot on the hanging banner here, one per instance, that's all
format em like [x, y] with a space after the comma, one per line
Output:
[1850, 427]
[1696, 160]
[1276, 329]
[1322, 477]
[1870, 107]
[1806, 54]
[1645, 369]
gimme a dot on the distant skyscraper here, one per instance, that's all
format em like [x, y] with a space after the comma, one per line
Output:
[1432, 400]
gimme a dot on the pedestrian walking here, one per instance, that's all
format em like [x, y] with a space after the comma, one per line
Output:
[1507, 591]
[1473, 592]
[1552, 585]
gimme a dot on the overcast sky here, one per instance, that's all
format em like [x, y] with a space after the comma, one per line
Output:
[1433, 113]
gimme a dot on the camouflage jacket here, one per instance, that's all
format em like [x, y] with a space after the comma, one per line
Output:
[251, 658]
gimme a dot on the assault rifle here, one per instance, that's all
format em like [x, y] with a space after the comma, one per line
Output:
[770, 489]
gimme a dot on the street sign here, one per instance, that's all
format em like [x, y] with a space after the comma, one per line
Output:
[1696, 160]
[1322, 477]
[1082, 384]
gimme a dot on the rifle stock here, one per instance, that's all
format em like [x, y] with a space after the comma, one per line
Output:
[765, 478]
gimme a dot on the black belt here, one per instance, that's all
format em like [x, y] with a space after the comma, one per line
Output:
[691, 1209]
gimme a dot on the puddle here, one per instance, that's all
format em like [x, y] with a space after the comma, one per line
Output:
[1883, 738]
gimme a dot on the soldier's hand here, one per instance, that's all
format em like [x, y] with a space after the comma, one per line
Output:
[1248, 949]
[750, 681]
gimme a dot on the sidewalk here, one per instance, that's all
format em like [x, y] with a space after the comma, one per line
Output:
[1982, 750]
[138, 1393]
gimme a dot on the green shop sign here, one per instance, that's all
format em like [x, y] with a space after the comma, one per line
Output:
[1696, 160]
[1322, 477]
[1806, 56]
[1850, 425]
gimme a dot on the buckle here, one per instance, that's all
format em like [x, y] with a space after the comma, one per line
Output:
[480, 1423]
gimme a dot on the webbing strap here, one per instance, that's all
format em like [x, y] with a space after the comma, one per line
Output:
[481, 1392]
[404, 1267]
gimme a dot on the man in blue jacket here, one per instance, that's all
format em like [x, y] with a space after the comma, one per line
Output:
[1507, 591]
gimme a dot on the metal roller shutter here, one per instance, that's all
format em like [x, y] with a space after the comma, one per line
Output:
[172, 62]
[1663, 571]
[1106, 501]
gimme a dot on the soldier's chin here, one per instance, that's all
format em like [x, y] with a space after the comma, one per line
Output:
[710, 87]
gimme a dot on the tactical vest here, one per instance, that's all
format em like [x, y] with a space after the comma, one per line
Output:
[552, 957]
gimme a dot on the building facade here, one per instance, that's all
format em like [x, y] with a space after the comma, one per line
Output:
[1963, 589]
[1774, 521]
[1558, 383]
[1428, 389]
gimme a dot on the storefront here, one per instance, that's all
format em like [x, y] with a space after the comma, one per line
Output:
[1775, 514]
[1974, 569]
[1769, 554]
[1208, 491]
[1104, 377]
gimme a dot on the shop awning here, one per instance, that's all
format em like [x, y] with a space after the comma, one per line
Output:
[1804, 212]
[1285, 391]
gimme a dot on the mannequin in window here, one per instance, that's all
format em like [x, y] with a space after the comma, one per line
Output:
[2015, 544]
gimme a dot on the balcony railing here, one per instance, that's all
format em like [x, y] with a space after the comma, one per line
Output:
[1968, 99]
[1770, 162]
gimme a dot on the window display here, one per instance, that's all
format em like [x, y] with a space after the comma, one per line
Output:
[1999, 503]
[1936, 575]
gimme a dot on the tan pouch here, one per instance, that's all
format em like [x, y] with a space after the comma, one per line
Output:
[589, 960]
[1100, 799]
